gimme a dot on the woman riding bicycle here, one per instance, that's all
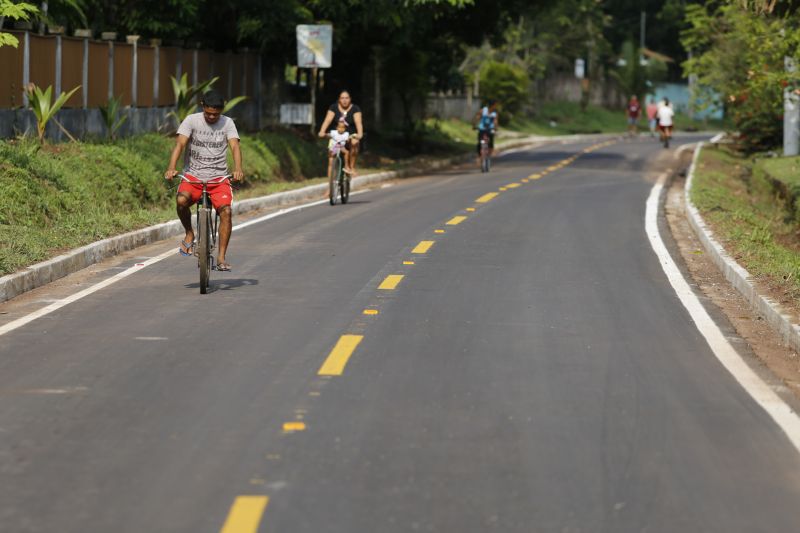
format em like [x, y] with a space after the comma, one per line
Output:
[346, 111]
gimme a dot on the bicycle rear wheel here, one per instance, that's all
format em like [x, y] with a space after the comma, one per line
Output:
[204, 247]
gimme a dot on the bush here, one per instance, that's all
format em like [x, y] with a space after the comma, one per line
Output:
[505, 84]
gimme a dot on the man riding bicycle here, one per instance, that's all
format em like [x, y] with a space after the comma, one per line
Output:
[487, 124]
[208, 136]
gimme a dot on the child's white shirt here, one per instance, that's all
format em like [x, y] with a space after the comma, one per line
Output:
[339, 138]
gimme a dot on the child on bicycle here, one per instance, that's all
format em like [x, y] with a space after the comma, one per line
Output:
[338, 143]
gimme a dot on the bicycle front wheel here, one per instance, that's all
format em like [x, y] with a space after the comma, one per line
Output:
[345, 188]
[204, 247]
[336, 173]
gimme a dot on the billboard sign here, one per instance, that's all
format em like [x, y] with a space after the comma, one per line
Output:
[314, 46]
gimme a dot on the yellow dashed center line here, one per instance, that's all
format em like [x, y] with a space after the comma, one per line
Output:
[438, 231]
[512, 185]
[486, 197]
[503, 188]
[422, 247]
[408, 262]
[337, 359]
[294, 426]
[371, 312]
[470, 209]
[455, 221]
[391, 282]
[534, 176]
[245, 514]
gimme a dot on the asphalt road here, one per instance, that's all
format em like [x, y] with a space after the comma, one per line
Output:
[531, 371]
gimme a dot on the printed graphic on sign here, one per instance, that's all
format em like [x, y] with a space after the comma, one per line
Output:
[314, 46]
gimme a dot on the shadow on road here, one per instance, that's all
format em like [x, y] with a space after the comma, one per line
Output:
[225, 284]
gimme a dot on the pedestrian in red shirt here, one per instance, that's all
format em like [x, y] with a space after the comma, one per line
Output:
[633, 112]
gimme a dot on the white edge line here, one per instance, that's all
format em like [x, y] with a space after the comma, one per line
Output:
[55, 306]
[780, 412]
[717, 138]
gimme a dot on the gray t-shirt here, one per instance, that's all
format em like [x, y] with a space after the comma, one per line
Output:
[206, 156]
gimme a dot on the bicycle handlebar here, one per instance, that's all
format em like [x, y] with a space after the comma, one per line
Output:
[187, 180]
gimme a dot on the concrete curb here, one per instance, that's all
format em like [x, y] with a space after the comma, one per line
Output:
[735, 273]
[40, 274]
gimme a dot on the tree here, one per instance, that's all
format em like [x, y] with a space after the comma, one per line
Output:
[739, 64]
[21, 11]
[505, 84]
[634, 77]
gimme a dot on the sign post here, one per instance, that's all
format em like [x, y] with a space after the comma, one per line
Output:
[314, 51]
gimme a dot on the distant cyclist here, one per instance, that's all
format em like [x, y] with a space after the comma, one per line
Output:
[344, 110]
[205, 138]
[487, 123]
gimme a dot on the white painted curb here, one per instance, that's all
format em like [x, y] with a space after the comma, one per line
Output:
[734, 272]
[40, 274]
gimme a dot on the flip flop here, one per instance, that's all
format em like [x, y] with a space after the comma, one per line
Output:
[224, 267]
[189, 247]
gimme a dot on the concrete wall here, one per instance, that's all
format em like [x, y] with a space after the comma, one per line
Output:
[446, 107]
[566, 87]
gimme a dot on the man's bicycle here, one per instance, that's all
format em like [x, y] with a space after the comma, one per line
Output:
[338, 181]
[486, 152]
[207, 227]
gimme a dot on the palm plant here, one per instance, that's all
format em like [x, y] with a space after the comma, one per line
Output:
[185, 96]
[233, 102]
[44, 108]
[635, 76]
[110, 113]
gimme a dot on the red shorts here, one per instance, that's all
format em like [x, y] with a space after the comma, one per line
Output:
[219, 191]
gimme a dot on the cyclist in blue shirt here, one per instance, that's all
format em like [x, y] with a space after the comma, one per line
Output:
[487, 123]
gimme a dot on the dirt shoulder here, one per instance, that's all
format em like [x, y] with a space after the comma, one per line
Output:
[765, 344]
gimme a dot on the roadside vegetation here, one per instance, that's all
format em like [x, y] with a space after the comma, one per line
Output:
[752, 209]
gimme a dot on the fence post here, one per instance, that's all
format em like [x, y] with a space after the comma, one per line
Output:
[26, 67]
[110, 70]
[195, 62]
[230, 75]
[58, 65]
[378, 97]
[257, 87]
[179, 64]
[134, 40]
[156, 68]
[244, 72]
[85, 73]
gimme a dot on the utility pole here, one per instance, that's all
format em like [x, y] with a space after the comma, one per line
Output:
[642, 30]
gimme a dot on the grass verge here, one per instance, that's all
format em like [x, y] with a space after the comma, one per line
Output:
[747, 214]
